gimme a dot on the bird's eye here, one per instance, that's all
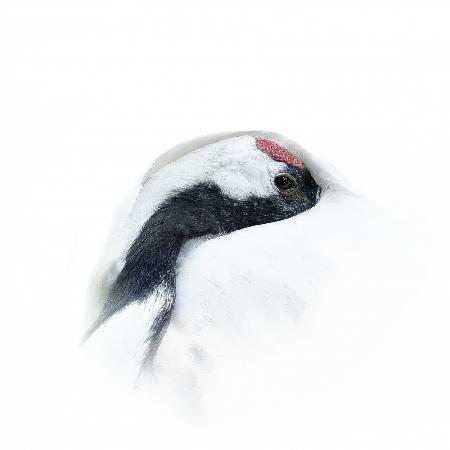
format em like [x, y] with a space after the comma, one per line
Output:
[284, 182]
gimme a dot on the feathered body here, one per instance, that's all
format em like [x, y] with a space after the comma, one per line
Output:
[152, 306]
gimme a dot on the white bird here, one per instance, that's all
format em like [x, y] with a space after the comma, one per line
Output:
[171, 304]
[244, 313]
[197, 190]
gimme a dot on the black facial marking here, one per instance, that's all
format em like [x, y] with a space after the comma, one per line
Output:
[200, 210]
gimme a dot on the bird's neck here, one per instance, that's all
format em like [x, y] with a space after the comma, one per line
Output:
[149, 265]
[149, 268]
[139, 306]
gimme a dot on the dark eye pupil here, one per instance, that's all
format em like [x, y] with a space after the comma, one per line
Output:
[284, 182]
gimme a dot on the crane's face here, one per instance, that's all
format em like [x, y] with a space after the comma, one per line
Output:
[232, 184]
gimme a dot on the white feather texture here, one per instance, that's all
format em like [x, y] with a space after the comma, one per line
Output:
[256, 300]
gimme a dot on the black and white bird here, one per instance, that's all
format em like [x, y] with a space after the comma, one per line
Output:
[148, 309]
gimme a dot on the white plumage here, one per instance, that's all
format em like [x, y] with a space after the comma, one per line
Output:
[287, 302]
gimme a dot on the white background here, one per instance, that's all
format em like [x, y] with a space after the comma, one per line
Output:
[92, 91]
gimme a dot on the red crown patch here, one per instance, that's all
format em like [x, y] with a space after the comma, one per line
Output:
[278, 152]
